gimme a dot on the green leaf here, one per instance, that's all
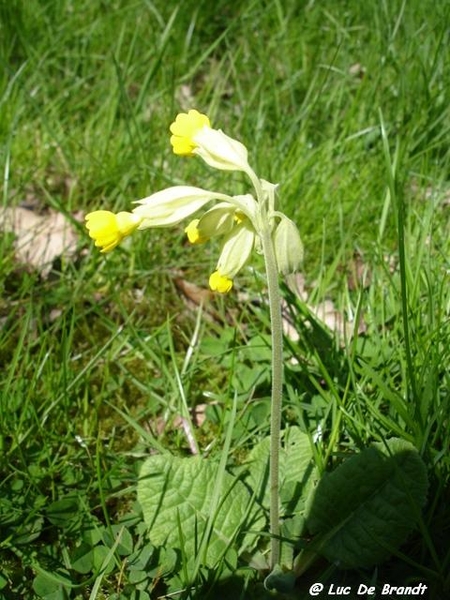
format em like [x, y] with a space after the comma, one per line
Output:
[176, 494]
[297, 471]
[3, 582]
[29, 531]
[139, 560]
[82, 560]
[92, 530]
[51, 587]
[64, 512]
[167, 562]
[125, 546]
[137, 577]
[291, 531]
[101, 559]
[365, 509]
[140, 595]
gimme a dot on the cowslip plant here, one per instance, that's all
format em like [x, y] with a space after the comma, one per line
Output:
[191, 503]
[244, 223]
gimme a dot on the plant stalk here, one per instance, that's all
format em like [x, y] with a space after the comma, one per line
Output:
[274, 298]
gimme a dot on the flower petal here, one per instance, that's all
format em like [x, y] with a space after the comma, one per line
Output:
[219, 283]
[184, 129]
[220, 151]
[108, 229]
[237, 248]
[172, 205]
[193, 233]
[218, 220]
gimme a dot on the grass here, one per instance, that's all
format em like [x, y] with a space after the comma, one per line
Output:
[346, 105]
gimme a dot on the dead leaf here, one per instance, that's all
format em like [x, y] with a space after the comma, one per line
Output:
[195, 296]
[296, 283]
[357, 70]
[192, 293]
[197, 413]
[40, 239]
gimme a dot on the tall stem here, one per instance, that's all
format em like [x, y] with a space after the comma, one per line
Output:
[277, 390]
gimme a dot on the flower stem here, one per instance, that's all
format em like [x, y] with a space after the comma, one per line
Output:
[274, 297]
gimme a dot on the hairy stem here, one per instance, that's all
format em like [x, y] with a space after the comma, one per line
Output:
[277, 391]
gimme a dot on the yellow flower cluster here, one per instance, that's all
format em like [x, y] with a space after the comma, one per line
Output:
[236, 219]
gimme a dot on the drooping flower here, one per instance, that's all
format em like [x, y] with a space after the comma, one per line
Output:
[245, 222]
[236, 251]
[192, 134]
[218, 220]
[184, 129]
[108, 229]
[172, 205]
[227, 220]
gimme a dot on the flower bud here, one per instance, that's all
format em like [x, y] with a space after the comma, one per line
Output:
[288, 246]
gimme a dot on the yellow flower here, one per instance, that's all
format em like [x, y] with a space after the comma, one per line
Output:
[216, 221]
[193, 232]
[108, 229]
[239, 239]
[219, 283]
[184, 129]
[236, 251]
[192, 134]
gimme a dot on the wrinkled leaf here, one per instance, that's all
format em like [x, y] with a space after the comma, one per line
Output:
[366, 508]
[174, 490]
[297, 471]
